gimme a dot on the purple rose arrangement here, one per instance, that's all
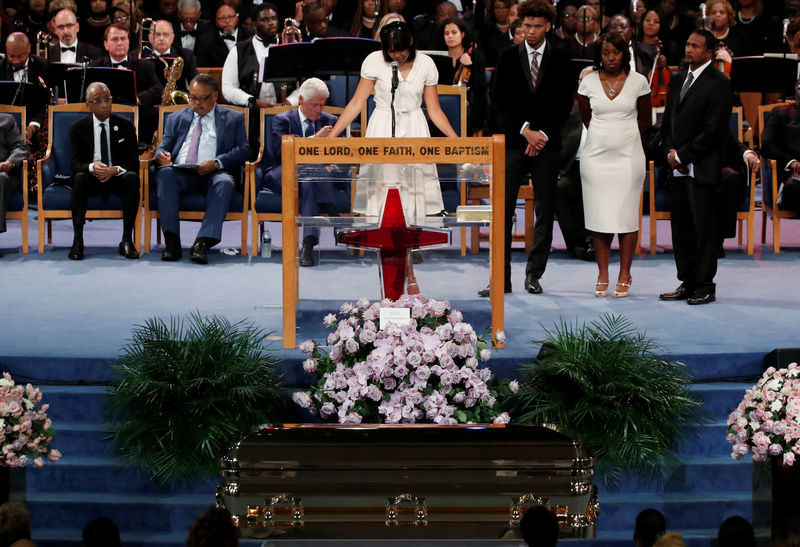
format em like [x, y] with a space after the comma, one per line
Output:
[767, 421]
[25, 431]
[425, 371]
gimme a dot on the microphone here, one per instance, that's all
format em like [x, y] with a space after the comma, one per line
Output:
[785, 29]
[376, 9]
[395, 77]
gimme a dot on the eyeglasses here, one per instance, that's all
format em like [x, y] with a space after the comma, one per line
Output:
[121, 18]
[583, 19]
[196, 99]
[100, 100]
[227, 17]
[65, 26]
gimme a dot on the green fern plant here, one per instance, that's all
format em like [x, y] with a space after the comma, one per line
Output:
[185, 391]
[605, 385]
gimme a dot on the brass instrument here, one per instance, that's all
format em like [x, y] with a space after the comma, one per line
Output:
[42, 48]
[291, 32]
[150, 26]
[173, 73]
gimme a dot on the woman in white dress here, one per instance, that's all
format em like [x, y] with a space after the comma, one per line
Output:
[417, 80]
[615, 106]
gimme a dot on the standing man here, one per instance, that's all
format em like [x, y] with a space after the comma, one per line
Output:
[104, 156]
[12, 152]
[202, 151]
[69, 49]
[20, 66]
[213, 46]
[162, 38]
[532, 92]
[693, 133]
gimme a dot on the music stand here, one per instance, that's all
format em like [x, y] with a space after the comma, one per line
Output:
[342, 56]
[58, 75]
[444, 65]
[576, 66]
[23, 94]
[121, 83]
[763, 74]
[290, 62]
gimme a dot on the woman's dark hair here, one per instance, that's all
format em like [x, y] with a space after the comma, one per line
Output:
[396, 36]
[736, 532]
[466, 41]
[214, 528]
[616, 40]
[650, 525]
[640, 30]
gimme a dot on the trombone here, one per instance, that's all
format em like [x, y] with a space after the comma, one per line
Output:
[150, 24]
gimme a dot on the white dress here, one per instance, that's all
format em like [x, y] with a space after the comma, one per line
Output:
[613, 164]
[418, 183]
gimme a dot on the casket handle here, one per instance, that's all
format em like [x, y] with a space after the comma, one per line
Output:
[525, 499]
[420, 509]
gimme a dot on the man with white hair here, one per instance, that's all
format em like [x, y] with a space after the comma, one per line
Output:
[189, 16]
[316, 181]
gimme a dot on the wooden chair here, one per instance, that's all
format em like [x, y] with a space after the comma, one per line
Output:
[215, 72]
[266, 206]
[192, 206]
[770, 172]
[18, 207]
[54, 169]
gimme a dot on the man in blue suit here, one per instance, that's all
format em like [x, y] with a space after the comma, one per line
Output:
[202, 151]
[317, 194]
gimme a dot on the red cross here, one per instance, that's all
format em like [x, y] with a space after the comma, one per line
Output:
[393, 239]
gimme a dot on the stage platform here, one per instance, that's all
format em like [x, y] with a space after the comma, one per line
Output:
[63, 322]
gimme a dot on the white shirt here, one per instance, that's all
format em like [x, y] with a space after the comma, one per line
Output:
[21, 75]
[188, 40]
[208, 139]
[231, 43]
[69, 56]
[96, 125]
[230, 76]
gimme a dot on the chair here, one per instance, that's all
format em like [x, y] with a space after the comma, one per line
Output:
[266, 206]
[18, 208]
[215, 72]
[192, 206]
[54, 169]
[659, 204]
[769, 187]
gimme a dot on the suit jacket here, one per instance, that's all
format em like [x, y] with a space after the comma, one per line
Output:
[546, 108]
[148, 88]
[189, 67]
[211, 49]
[12, 144]
[232, 147]
[37, 68]
[696, 126]
[124, 145]
[83, 52]
[781, 139]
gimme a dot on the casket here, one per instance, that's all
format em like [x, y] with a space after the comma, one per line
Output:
[405, 482]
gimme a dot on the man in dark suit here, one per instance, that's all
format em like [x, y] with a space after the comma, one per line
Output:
[532, 93]
[162, 37]
[316, 184]
[12, 152]
[202, 150]
[69, 49]
[213, 45]
[315, 23]
[693, 134]
[20, 66]
[148, 88]
[190, 28]
[104, 157]
[781, 142]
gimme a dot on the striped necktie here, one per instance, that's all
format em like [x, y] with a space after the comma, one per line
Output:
[535, 69]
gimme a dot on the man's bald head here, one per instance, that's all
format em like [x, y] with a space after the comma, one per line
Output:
[18, 49]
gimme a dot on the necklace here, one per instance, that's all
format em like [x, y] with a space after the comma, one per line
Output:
[612, 89]
[743, 20]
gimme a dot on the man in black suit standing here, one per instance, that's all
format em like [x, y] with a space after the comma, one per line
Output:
[532, 93]
[213, 45]
[20, 66]
[693, 134]
[69, 49]
[104, 157]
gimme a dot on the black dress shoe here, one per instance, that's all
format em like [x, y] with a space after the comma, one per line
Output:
[199, 252]
[699, 298]
[171, 254]
[128, 250]
[681, 293]
[76, 252]
[307, 255]
[486, 291]
[532, 284]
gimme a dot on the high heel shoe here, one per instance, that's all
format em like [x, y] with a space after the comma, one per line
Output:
[601, 292]
[626, 286]
[412, 288]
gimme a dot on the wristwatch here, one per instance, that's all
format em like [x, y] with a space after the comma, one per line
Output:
[218, 164]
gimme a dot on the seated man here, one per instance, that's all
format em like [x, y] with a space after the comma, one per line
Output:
[20, 66]
[162, 37]
[202, 150]
[781, 142]
[69, 49]
[12, 152]
[214, 44]
[104, 157]
[316, 181]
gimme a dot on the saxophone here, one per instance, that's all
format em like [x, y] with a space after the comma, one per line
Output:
[172, 74]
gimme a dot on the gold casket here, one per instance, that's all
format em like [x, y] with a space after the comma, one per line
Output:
[405, 482]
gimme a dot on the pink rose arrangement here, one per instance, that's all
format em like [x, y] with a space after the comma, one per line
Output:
[424, 371]
[767, 421]
[25, 431]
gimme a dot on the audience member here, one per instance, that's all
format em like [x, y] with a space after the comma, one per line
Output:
[727, 31]
[15, 525]
[368, 13]
[202, 151]
[642, 55]
[70, 49]
[539, 527]
[670, 539]
[496, 35]
[101, 532]
[650, 526]
[12, 152]
[425, 27]
[567, 22]
[763, 31]
[20, 66]
[95, 24]
[213, 46]
[781, 142]
[736, 532]
[32, 17]
[189, 16]
[214, 528]
[385, 20]
[588, 28]
[162, 37]
[315, 23]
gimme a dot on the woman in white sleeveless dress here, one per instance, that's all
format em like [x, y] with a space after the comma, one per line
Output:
[615, 106]
[417, 80]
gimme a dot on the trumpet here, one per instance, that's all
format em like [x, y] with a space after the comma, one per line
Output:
[150, 26]
[42, 44]
[291, 32]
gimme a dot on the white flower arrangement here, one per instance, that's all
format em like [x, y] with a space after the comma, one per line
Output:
[425, 371]
[25, 430]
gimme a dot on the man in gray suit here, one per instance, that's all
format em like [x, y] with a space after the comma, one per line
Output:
[12, 152]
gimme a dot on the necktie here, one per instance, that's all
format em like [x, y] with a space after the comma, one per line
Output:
[309, 131]
[686, 85]
[535, 69]
[188, 33]
[194, 144]
[229, 37]
[104, 144]
[65, 48]
[123, 64]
